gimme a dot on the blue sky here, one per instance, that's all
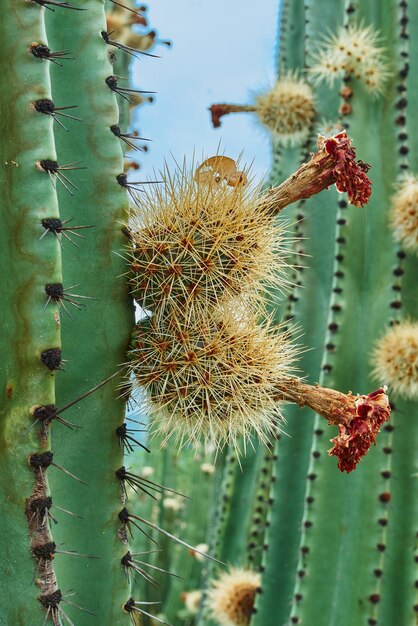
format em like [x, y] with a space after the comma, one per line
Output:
[220, 53]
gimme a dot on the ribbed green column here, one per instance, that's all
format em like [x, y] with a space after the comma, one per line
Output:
[96, 339]
[401, 554]
[314, 228]
[343, 540]
[27, 327]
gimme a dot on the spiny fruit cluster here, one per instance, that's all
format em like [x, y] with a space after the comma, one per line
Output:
[203, 248]
[196, 244]
[213, 375]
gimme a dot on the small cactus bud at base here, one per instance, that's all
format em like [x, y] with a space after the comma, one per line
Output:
[404, 213]
[231, 599]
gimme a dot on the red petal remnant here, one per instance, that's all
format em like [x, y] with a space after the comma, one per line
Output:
[216, 112]
[355, 438]
[350, 175]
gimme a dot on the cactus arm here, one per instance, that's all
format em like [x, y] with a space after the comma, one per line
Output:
[410, 64]
[289, 55]
[27, 327]
[261, 509]
[401, 553]
[315, 224]
[292, 31]
[338, 506]
[96, 339]
[121, 67]
[222, 492]
[191, 522]
[401, 564]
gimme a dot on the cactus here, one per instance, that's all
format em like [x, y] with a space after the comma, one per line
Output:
[212, 368]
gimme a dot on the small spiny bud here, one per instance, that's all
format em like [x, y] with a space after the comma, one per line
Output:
[354, 50]
[231, 598]
[396, 359]
[404, 214]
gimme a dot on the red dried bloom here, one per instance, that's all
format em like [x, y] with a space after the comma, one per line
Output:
[216, 112]
[350, 175]
[355, 438]
[333, 164]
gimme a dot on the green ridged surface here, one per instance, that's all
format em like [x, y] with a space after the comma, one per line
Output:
[354, 563]
[401, 554]
[96, 339]
[412, 82]
[193, 482]
[292, 31]
[346, 542]
[27, 327]
[345, 509]
[216, 520]
[306, 305]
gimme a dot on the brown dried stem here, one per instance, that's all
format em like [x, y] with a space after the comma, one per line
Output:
[219, 110]
[327, 402]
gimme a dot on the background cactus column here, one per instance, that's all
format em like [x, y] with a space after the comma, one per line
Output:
[351, 539]
[28, 329]
[315, 227]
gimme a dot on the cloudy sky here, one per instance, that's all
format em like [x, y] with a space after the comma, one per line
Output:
[220, 53]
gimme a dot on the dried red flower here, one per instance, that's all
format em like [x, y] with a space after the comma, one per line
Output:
[333, 164]
[358, 418]
[216, 112]
[350, 175]
[355, 438]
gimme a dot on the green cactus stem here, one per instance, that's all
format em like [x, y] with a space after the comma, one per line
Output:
[96, 267]
[30, 335]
